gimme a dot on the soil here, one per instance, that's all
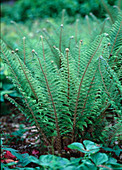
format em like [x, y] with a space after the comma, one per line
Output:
[17, 133]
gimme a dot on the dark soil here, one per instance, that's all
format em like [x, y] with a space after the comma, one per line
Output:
[17, 133]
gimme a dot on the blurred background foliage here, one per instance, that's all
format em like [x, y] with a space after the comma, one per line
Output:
[22, 10]
[6, 87]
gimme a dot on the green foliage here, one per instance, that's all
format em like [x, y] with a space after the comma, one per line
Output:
[6, 87]
[94, 160]
[116, 149]
[23, 159]
[30, 9]
[16, 136]
[111, 11]
[67, 85]
[90, 147]
[112, 133]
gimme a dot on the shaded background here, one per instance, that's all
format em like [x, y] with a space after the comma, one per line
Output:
[23, 10]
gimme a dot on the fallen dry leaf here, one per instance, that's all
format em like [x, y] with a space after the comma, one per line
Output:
[9, 155]
[10, 160]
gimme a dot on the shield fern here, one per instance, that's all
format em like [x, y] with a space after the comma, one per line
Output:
[66, 86]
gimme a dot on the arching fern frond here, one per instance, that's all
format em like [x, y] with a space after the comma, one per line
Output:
[67, 83]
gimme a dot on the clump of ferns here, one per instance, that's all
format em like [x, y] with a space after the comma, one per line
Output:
[112, 133]
[65, 91]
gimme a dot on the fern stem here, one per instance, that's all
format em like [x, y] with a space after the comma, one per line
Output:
[76, 30]
[37, 125]
[67, 52]
[9, 65]
[60, 39]
[89, 28]
[7, 44]
[13, 101]
[106, 87]
[115, 40]
[42, 47]
[79, 56]
[102, 115]
[103, 80]
[88, 91]
[76, 104]
[94, 17]
[28, 80]
[54, 108]
[70, 41]
[119, 4]
[115, 60]
[48, 41]
[62, 19]
[24, 48]
[107, 10]
[57, 70]
[51, 47]
[103, 25]
[115, 132]
[53, 27]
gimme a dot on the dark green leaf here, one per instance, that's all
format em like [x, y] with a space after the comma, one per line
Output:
[99, 158]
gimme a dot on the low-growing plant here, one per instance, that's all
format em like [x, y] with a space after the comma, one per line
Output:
[13, 157]
[92, 159]
[68, 85]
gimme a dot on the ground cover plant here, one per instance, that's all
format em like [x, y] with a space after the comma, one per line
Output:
[70, 86]
[92, 159]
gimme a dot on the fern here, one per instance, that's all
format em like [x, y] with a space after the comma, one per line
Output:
[112, 11]
[65, 91]
[112, 133]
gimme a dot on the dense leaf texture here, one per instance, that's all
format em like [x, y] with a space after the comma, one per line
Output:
[65, 91]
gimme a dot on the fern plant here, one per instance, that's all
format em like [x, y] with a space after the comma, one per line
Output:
[66, 86]
[112, 11]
